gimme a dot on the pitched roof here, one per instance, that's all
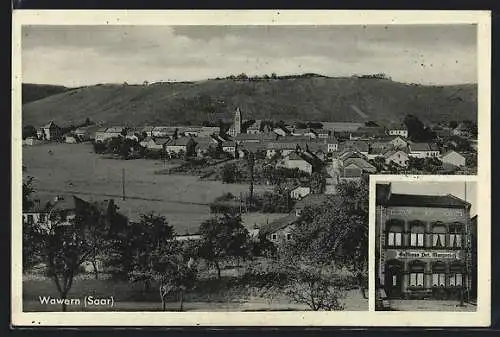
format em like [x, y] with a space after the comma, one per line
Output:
[161, 141]
[361, 163]
[311, 200]
[281, 145]
[451, 152]
[278, 224]
[229, 143]
[295, 156]
[424, 147]
[253, 147]
[392, 152]
[49, 125]
[115, 129]
[361, 146]
[183, 141]
[398, 126]
[438, 201]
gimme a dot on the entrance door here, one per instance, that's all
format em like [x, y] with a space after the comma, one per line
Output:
[393, 280]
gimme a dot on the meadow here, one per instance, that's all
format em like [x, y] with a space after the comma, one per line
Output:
[74, 169]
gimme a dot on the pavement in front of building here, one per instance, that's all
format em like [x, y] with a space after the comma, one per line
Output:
[429, 305]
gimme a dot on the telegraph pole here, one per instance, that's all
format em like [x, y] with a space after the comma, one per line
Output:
[123, 183]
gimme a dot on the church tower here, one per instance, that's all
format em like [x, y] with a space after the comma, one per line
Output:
[236, 127]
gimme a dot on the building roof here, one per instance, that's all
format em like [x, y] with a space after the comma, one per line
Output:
[229, 143]
[393, 152]
[361, 146]
[295, 156]
[182, 141]
[361, 163]
[398, 126]
[311, 200]
[161, 141]
[437, 201]
[451, 152]
[423, 147]
[50, 124]
[115, 129]
[370, 131]
[278, 145]
[278, 224]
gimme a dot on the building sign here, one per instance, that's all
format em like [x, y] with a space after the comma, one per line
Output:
[439, 212]
[423, 254]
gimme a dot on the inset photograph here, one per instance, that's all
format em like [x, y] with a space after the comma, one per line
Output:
[426, 245]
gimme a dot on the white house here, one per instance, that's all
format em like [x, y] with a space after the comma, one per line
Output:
[398, 157]
[398, 130]
[453, 158]
[300, 192]
[332, 144]
[229, 147]
[423, 150]
[280, 131]
[398, 143]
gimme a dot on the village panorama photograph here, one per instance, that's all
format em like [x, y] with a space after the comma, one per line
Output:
[226, 168]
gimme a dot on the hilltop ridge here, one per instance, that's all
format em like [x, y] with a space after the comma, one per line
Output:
[304, 97]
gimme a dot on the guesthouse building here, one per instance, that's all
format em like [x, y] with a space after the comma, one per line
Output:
[421, 243]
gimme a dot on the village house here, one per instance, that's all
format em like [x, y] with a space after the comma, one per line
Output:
[332, 144]
[304, 133]
[105, 133]
[398, 142]
[322, 133]
[254, 129]
[254, 138]
[368, 132]
[245, 148]
[353, 169]
[280, 230]
[360, 146]
[453, 158]
[133, 134]
[32, 141]
[180, 145]
[229, 146]
[70, 139]
[283, 147]
[398, 130]
[423, 150]
[207, 131]
[299, 161]
[86, 133]
[461, 130]
[398, 157]
[147, 131]
[299, 192]
[164, 131]
[203, 144]
[281, 131]
[49, 131]
[310, 200]
[154, 144]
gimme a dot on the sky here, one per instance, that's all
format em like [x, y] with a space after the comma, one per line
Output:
[440, 188]
[86, 55]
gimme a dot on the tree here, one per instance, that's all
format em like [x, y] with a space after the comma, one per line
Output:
[28, 191]
[416, 163]
[337, 231]
[378, 162]
[452, 124]
[251, 169]
[318, 182]
[28, 131]
[223, 238]
[417, 130]
[230, 174]
[432, 165]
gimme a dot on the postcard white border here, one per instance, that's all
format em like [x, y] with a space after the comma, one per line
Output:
[260, 17]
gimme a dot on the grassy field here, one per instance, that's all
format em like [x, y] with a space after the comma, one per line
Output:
[76, 169]
[210, 295]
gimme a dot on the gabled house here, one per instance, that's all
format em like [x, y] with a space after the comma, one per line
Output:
[332, 144]
[183, 144]
[133, 134]
[354, 168]
[398, 157]
[311, 200]
[283, 147]
[295, 160]
[229, 146]
[147, 130]
[360, 146]
[453, 158]
[164, 131]
[155, 144]
[281, 131]
[70, 138]
[203, 144]
[300, 192]
[398, 130]
[304, 133]
[105, 133]
[398, 142]
[280, 230]
[49, 131]
[423, 150]
[86, 133]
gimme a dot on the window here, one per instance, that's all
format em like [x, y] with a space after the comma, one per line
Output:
[42, 217]
[438, 275]
[438, 235]
[455, 236]
[30, 218]
[395, 232]
[394, 239]
[456, 277]
[417, 274]
[274, 237]
[394, 280]
[417, 229]
[289, 236]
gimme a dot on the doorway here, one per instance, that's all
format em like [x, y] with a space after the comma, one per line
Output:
[393, 279]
